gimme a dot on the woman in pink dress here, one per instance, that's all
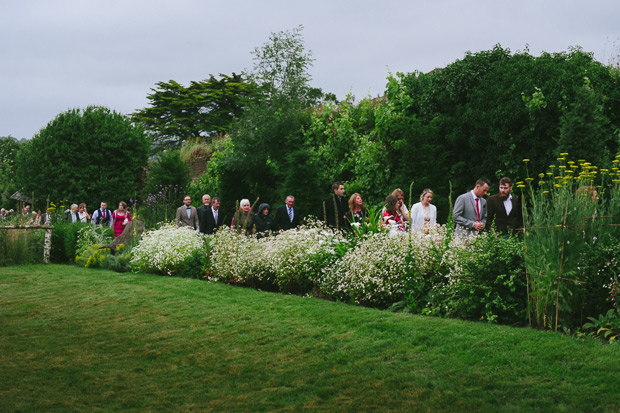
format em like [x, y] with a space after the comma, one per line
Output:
[121, 218]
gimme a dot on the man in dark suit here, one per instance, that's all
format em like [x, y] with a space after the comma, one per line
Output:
[470, 209]
[504, 210]
[212, 218]
[202, 210]
[287, 216]
[334, 208]
[187, 215]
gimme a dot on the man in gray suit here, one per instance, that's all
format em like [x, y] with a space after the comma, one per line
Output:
[187, 215]
[470, 209]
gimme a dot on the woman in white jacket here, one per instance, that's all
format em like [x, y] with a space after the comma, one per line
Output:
[423, 214]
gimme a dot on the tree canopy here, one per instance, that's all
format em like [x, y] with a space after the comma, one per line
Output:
[201, 110]
[88, 155]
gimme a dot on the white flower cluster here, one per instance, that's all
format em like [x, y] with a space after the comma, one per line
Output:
[163, 250]
[376, 270]
[287, 261]
[373, 271]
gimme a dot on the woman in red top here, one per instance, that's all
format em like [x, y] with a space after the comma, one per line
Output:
[390, 216]
[121, 218]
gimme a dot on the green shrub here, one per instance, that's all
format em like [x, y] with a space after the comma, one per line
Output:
[94, 256]
[168, 170]
[64, 241]
[194, 266]
[487, 282]
[93, 234]
[606, 326]
[121, 260]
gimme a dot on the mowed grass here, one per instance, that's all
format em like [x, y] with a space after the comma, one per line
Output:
[90, 340]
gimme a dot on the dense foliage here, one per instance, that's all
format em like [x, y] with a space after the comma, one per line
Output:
[167, 170]
[85, 155]
[8, 154]
[572, 231]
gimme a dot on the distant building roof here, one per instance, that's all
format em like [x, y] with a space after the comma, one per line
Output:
[19, 197]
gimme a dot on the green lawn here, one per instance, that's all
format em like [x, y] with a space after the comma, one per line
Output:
[79, 339]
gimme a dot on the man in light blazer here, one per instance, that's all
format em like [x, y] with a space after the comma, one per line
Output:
[470, 209]
[187, 215]
[504, 210]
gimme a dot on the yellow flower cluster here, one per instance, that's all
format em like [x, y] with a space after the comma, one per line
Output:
[581, 172]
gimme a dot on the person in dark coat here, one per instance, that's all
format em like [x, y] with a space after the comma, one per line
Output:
[287, 216]
[334, 208]
[504, 210]
[262, 220]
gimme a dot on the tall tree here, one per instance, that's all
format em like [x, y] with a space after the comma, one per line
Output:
[85, 155]
[267, 140]
[202, 110]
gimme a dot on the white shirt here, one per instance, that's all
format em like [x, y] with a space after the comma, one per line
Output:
[508, 204]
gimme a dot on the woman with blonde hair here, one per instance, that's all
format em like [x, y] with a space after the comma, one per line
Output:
[423, 213]
[357, 210]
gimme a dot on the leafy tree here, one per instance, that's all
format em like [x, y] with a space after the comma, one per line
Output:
[8, 152]
[267, 140]
[85, 155]
[493, 108]
[203, 109]
[282, 69]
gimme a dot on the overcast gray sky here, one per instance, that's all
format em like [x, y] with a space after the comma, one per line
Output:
[62, 54]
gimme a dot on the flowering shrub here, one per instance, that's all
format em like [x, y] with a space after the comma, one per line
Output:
[289, 262]
[371, 273]
[91, 256]
[92, 234]
[160, 206]
[96, 257]
[574, 205]
[164, 250]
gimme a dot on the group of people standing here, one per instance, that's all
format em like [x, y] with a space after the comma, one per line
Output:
[117, 219]
[208, 218]
[472, 212]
